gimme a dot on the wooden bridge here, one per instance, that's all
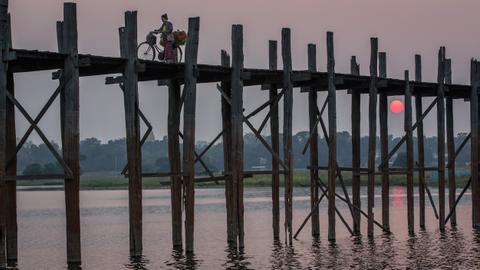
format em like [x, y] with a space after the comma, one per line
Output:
[69, 66]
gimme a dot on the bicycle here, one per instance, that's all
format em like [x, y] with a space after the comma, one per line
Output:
[149, 49]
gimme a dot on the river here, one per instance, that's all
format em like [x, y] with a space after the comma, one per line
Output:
[104, 230]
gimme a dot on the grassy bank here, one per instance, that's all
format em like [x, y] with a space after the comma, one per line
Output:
[301, 179]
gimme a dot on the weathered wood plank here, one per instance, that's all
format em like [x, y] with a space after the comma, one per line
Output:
[71, 131]
[372, 133]
[420, 144]
[312, 111]
[237, 127]
[287, 130]
[190, 90]
[355, 117]
[175, 161]
[383, 119]
[441, 136]
[452, 188]
[332, 134]
[275, 140]
[410, 162]
[128, 49]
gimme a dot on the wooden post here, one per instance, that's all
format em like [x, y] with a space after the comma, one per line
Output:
[237, 126]
[287, 130]
[71, 130]
[441, 136]
[128, 43]
[474, 118]
[355, 70]
[332, 134]
[190, 89]
[11, 186]
[420, 143]
[312, 110]
[372, 133]
[11, 170]
[274, 134]
[3, 128]
[383, 115]
[227, 149]
[452, 187]
[174, 110]
[410, 163]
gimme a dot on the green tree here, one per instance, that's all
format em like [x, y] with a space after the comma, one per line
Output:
[33, 169]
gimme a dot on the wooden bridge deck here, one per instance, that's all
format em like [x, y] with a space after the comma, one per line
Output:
[94, 65]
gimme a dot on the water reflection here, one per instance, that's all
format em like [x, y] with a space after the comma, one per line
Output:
[236, 259]
[179, 260]
[137, 263]
[284, 257]
[74, 266]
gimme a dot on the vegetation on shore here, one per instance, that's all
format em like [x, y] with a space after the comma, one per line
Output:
[301, 179]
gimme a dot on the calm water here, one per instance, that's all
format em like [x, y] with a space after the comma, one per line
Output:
[105, 235]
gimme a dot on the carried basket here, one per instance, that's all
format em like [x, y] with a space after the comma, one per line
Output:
[180, 37]
[151, 39]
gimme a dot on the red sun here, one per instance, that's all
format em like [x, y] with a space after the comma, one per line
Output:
[396, 106]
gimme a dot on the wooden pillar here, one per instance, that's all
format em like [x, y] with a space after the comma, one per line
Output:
[420, 144]
[174, 110]
[128, 44]
[372, 133]
[287, 129]
[71, 130]
[11, 170]
[274, 134]
[190, 89]
[441, 136]
[312, 110]
[332, 134]
[237, 126]
[383, 115]
[355, 116]
[3, 133]
[11, 186]
[227, 149]
[452, 186]
[410, 162]
[474, 118]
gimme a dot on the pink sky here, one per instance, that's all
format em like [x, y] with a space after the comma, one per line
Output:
[404, 28]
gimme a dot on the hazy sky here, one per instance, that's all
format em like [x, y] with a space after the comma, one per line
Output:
[404, 28]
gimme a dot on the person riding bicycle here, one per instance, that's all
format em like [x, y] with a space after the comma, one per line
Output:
[167, 40]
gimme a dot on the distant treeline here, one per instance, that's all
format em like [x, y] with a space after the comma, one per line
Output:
[110, 157]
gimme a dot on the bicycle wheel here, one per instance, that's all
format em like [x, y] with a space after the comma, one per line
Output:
[146, 51]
